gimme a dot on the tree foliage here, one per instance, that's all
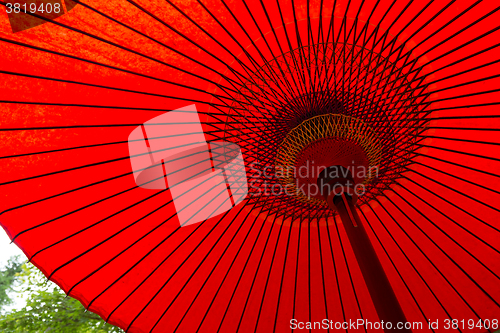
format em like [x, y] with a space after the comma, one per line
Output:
[7, 279]
[48, 309]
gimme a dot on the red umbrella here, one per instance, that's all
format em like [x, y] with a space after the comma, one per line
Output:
[406, 88]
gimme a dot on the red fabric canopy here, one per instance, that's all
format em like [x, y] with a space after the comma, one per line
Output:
[75, 87]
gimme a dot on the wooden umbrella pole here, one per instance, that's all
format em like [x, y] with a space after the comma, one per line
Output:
[379, 287]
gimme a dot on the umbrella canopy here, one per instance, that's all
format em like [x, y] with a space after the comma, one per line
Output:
[409, 88]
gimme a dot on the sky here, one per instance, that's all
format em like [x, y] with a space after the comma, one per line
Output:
[8, 250]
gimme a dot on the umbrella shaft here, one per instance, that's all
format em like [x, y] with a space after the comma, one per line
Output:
[381, 292]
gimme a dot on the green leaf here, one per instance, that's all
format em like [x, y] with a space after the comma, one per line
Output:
[47, 308]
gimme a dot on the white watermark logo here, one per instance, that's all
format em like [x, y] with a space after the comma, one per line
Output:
[359, 324]
[263, 179]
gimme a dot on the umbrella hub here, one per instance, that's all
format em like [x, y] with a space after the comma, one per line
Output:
[324, 141]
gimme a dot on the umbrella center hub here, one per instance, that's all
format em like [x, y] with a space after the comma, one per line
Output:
[321, 142]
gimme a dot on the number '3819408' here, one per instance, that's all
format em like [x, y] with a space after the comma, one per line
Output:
[33, 8]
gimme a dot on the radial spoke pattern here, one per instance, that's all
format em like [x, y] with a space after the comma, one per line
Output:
[424, 76]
